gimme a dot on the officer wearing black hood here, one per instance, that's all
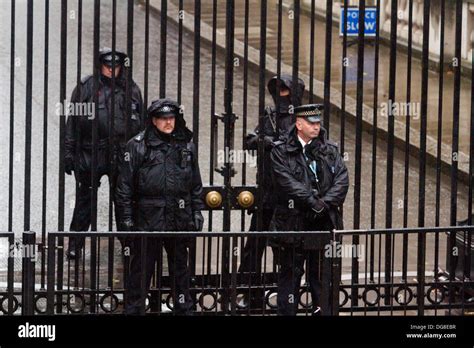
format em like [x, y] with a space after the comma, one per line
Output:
[312, 181]
[78, 138]
[277, 121]
[159, 189]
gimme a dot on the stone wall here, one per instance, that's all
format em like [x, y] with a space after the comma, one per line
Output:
[435, 21]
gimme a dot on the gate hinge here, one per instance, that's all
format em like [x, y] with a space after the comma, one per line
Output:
[226, 171]
[224, 117]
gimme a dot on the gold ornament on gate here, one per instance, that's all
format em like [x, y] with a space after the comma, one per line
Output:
[246, 199]
[213, 199]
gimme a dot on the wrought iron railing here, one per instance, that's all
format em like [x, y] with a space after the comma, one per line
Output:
[422, 277]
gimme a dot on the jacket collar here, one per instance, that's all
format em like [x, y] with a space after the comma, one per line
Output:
[293, 144]
[152, 138]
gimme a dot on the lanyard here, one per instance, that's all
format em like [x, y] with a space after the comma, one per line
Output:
[313, 166]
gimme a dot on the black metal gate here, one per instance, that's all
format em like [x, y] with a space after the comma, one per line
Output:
[232, 48]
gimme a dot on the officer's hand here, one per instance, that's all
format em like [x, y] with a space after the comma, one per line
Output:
[198, 220]
[268, 142]
[126, 225]
[69, 166]
[251, 141]
[319, 209]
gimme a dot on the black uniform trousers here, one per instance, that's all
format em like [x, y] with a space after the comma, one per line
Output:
[82, 216]
[255, 246]
[292, 260]
[252, 254]
[178, 269]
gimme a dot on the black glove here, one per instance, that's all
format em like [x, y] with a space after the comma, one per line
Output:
[69, 166]
[251, 141]
[319, 209]
[268, 142]
[198, 220]
[126, 225]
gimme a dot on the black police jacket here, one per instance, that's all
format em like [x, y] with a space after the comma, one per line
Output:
[273, 126]
[159, 185]
[297, 191]
[78, 137]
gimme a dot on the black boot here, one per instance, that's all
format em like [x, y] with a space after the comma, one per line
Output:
[75, 248]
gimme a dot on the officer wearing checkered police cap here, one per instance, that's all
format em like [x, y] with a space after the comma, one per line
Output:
[313, 113]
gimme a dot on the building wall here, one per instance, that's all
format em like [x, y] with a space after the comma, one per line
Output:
[435, 20]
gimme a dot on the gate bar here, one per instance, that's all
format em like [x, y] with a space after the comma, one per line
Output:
[261, 105]
[440, 112]
[163, 46]
[311, 51]
[407, 142]
[196, 107]
[279, 59]
[440, 135]
[196, 72]
[358, 144]
[390, 143]
[468, 235]
[130, 52]
[112, 157]
[95, 122]
[424, 114]
[213, 130]
[62, 130]
[12, 116]
[51, 276]
[344, 62]
[327, 65]
[180, 50]
[373, 196]
[45, 143]
[229, 123]
[424, 117]
[471, 176]
[244, 131]
[146, 83]
[28, 273]
[296, 51]
[28, 107]
[455, 144]
[456, 105]
[94, 174]
[10, 275]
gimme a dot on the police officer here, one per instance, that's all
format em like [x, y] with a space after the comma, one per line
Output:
[160, 173]
[78, 138]
[276, 121]
[312, 181]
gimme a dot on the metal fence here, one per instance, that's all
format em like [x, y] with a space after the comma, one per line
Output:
[354, 278]
[429, 168]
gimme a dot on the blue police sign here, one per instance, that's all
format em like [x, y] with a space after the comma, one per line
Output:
[352, 26]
